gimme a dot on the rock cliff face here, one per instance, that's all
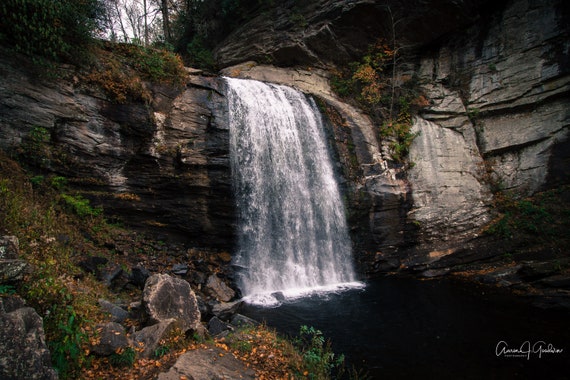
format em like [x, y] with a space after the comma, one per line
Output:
[498, 91]
[162, 167]
[497, 80]
[498, 117]
[329, 32]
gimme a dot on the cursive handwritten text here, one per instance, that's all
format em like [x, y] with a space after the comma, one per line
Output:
[526, 349]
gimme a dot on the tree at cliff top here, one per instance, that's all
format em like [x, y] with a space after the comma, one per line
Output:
[55, 30]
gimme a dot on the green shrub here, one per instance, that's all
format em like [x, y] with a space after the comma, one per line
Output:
[35, 149]
[67, 348]
[80, 205]
[58, 182]
[318, 358]
[7, 289]
[122, 68]
[49, 30]
[123, 358]
[161, 350]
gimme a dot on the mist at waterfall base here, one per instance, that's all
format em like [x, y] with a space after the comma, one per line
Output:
[292, 234]
[294, 264]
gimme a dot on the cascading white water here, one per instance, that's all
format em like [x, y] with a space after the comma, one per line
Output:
[292, 233]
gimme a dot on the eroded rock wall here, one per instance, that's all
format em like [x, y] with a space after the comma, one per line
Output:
[496, 75]
[498, 117]
[161, 167]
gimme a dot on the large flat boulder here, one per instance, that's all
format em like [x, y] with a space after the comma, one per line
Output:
[206, 365]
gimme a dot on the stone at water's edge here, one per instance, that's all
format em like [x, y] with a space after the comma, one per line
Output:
[219, 289]
[166, 298]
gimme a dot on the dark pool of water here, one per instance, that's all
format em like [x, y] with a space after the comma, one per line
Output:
[399, 328]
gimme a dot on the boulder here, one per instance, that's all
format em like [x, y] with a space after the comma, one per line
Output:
[9, 247]
[112, 337]
[148, 339]
[239, 320]
[217, 326]
[218, 289]
[138, 276]
[118, 314]
[179, 269]
[225, 310]
[166, 297]
[11, 268]
[23, 350]
[207, 365]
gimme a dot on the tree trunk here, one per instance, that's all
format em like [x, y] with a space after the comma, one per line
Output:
[145, 24]
[165, 21]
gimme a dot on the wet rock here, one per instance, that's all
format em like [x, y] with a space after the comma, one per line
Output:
[557, 281]
[149, 338]
[136, 311]
[207, 365]
[225, 310]
[218, 289]
[386, 264]
[217, 326]
[23, 350]
[279, 296]
[531, 271]
[166, 297]
[239, 320]
[112, 337]
[504, 277]
[432, 273]
[118, 314]
[110, 274]
[197, 277]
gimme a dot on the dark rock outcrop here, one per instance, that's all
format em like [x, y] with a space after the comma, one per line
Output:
[160, 167]
[496, 114]
[332, 32]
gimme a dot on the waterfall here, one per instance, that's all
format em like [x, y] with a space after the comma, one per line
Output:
[292, 233]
